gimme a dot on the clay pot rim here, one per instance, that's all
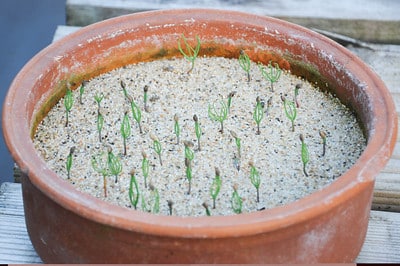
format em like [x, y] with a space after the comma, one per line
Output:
[377, 153]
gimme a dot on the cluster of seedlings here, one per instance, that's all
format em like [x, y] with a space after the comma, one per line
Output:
[108, 163]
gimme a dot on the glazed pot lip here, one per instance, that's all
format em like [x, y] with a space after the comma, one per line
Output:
[378, 151]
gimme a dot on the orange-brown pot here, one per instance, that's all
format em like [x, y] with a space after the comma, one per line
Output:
[67, 226]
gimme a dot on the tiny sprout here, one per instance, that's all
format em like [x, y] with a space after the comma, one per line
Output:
[230, 96]
[290, 110]
[296, 94]
[177, 128]
[244, 62]
[155, 199]
[82, 91]
[218, 115]
[156, 146]
[189, 154]
[236, 201]
[114, 164]
[170, 204]
[304, 154]
[145, 168]
[269, 105]
[133, 194]
[125, 129]
[188, 173]
[69, 162]
[237, 141]
[205, 205]
[145, 91]
[258, 114]
[137, 114]
[191, 53]
[215, 186]
[197, 130]
[322, 134]
[68, 102]
[98, 98]
[255, 179]
[272, 75]
[100, 166]
[123, 86]
[100, 123]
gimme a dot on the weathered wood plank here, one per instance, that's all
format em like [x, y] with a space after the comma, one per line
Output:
[367, 20]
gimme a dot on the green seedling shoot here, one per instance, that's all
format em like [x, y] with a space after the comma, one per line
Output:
[145, 167]
[123, 86]
[177, 128]
[197, 130]
[69, 162]
[322, 134]
[296, 94]
[137, 114]
[273, 74]
[219, 115]
[133, 190]
[207, 209]
[236, 201]
[114, 164]
[98, 98]
[145, 208]
[255, 179]
[100, 123]
[215, 186]
[145, 96]
[290, 110]
[188, 165]
[244, 62]
[125, 129]
[99, 164]
[170, 206]
[237, 142]
[155, 199]
[230, 96]
[304, 154]
[82, 91]
[190, 53]
[68, 102]
[157, 146]
[258, 114]
[189, 154]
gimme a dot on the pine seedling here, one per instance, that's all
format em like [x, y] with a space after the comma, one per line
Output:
[197, 130]
[255, 179]
[114, 164]
[188, 165]
[157, 146]
[155, 199]
[290, 110]
[98, 98]
[100, 123]
[189, 154]
[219, 115]
[269, 106]
[304, 154]
[145, 167]
[82, 91]
[296, 94]
[137, 114]
[207, 209]
[100, 166]
[230, 96]
[215, 186]
[125, 129]
[237, 142]
[68, 102]
[133, 190]
[177, 128]
[236, 201]
[170, 206]
[244, 62]
[145, 96]
[68, 164]
[191, 53]
[273, 74]
[123, 86]
[322, 134]
[258, 114]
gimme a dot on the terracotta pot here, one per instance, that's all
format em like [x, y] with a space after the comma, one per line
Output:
[68, 226]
